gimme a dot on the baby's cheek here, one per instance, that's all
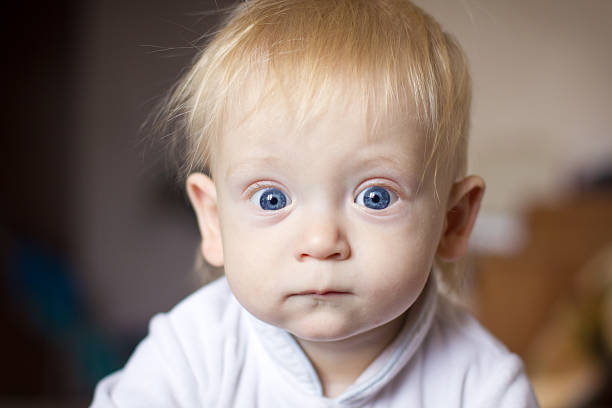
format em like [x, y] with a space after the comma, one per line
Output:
[398, 256]
[251, 293]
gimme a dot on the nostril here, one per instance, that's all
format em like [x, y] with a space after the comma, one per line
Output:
[340, 254]
[332, 256]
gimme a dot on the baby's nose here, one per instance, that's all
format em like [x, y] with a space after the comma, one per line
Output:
[322, 239]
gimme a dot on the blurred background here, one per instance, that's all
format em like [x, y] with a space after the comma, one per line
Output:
[96, 237]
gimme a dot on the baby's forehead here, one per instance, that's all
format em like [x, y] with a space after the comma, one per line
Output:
[270, 111]
[334, 130]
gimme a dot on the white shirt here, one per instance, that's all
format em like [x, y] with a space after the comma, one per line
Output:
[210, 352]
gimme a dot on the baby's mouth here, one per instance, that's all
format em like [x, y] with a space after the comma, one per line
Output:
[322, 293]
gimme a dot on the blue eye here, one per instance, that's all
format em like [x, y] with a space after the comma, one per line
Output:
[270, 199]
[375, 198]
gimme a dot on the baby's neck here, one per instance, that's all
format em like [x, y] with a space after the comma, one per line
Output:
[339, 363]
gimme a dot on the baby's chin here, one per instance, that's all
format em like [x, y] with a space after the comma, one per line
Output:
[325, 328]
[327, 323]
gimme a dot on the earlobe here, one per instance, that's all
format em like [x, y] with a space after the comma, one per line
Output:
[203, 196]
[464, 203]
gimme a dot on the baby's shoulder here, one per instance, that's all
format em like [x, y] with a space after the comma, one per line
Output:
[211, 306]
[462, 332]
[474, 364]
[186, 351]
[210, 316]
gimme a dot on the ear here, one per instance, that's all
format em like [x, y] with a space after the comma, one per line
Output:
[462, 209]
[203, 196]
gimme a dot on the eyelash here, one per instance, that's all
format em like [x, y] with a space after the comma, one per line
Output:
[255, 187]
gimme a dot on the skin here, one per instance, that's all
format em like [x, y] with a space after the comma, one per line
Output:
[335, 274]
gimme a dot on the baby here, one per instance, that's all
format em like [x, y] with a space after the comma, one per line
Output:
[326, 158]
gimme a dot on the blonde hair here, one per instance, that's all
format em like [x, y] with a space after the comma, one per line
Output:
[389, 53]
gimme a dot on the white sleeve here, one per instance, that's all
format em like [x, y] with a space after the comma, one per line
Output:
[506, 386]
[156, 375]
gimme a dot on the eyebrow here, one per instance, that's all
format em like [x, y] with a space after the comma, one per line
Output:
[273, 162]
[396, 161]
[253, 162]
[399, 165]
[380, 161]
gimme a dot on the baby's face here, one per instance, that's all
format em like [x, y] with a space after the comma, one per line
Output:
[325, 231]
